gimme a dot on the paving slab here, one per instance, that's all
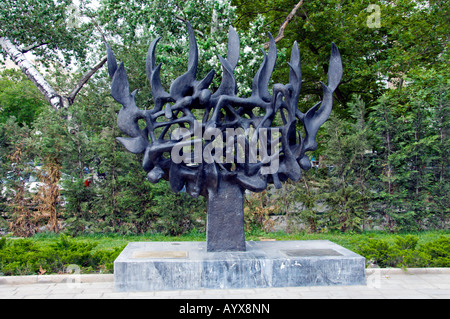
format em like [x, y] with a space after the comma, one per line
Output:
[385, 284]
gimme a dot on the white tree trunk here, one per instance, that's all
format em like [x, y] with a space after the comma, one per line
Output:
[55, 100]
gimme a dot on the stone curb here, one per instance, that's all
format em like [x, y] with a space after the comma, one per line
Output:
[93, 278]
[47, 279]
[409, 271]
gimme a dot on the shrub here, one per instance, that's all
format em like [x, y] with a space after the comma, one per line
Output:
[177, 213]
[257, 208]
[376, 251]
[405, 253]
[26, 257]
[438, 252]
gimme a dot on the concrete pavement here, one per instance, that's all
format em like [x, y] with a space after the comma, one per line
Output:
[419, 283]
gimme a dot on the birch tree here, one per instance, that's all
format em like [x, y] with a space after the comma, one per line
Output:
[47, 30]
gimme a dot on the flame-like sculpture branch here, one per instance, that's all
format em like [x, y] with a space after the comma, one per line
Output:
[222, 110]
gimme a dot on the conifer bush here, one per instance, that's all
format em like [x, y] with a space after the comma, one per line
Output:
[27, 257]
[404, 252]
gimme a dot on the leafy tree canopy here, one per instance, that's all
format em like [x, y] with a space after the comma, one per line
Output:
[48, 27]
[379, 41]
[19, 98]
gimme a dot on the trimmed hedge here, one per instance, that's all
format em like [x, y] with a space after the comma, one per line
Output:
[404, 252]
[25, 257]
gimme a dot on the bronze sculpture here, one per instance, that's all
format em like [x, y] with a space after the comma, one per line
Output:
[223, 154]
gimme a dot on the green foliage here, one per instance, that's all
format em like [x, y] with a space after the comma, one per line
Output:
[19, 98]
[27, 257]
[411, 128]
[302, 203]
[80, 201]
[50, 136]
[411, 35]
[345, 183]
[47, 25]
[438, 252]
[15, 202]
[376, 251]
[257, 208]
[404, 252]
[177, 213]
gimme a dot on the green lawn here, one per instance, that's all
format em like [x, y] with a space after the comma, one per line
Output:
[348, 240]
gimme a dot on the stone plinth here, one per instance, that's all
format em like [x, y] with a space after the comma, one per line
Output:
[147, 266]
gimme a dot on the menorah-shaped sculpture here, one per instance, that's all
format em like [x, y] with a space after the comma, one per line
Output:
[236, 146]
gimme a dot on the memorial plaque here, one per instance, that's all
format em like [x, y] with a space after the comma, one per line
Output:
[310, 252]
[159, 254]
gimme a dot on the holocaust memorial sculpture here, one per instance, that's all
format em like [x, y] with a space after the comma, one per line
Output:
[234, 146]
[218, 145]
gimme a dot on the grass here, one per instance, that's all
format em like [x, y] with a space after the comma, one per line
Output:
[350, 241]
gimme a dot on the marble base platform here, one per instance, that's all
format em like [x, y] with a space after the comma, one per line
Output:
[148, 266]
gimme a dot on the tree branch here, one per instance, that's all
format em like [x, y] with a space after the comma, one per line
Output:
[32, 47]
[56, 100]
[283, 26]
[32, 73]
[85, 79]
[178, 17]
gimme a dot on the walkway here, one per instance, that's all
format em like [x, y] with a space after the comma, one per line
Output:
[428, 283]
